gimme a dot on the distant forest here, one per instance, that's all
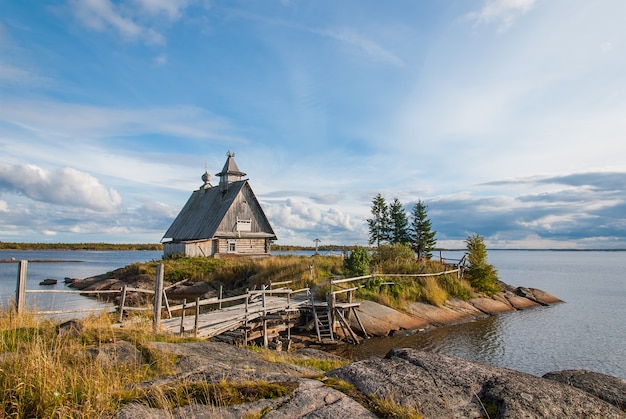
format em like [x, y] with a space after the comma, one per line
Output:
[142, 246]
[79, 246]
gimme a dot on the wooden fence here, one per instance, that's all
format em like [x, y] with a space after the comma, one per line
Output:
[160, 299]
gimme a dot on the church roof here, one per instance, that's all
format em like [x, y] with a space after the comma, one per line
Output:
[230, 210]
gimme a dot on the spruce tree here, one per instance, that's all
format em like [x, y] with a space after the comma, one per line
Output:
[422, 237]
[399, 222]
[379, 224]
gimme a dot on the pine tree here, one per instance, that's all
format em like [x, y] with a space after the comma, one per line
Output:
[399, 222]
[379, 224]
[481, 275]
[422, 237]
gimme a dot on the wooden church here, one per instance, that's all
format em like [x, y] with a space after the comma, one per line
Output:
[221, 221]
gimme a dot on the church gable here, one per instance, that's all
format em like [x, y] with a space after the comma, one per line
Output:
[245, 217]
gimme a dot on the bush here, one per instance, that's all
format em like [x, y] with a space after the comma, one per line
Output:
[357, 263]
[481, 275]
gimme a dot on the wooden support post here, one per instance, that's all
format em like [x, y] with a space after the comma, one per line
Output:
[195, 324]
[245, 323]
[221, 295]
[358, 320]
[158, 298]
[167, 305]
[20, 289]
[265, 341]
[122, 303]
[182, 318]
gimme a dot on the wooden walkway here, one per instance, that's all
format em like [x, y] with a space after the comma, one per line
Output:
[213, 323]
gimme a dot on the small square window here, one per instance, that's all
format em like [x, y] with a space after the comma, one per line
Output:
[232, 246]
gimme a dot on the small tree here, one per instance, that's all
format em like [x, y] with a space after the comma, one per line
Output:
[481, 275]
[422, 237]
[357, 263]
[379, 224]
[399, 222]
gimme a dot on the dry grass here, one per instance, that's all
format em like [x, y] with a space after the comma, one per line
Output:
[47, 374]
[433, 293]
[223, 393]
[319, 364]
[387, 407]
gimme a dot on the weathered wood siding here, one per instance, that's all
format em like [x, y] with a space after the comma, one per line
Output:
[190, 249]
[244, 246]
[244, 207]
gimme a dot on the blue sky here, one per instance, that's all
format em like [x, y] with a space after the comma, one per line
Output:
[506, 117]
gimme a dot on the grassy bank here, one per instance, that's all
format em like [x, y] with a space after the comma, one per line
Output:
[238, 274]
[48, 371]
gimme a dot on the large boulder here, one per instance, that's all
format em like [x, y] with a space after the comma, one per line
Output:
[441, 386]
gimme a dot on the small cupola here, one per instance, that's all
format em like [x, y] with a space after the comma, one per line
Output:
[206, 178]
[230, 173]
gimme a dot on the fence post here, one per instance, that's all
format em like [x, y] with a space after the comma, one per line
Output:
[20, 290]
[220, 299]
[122, 302]
[265, 342]
[245, 329]
[182, 318]
[158, 298]
[197, 313]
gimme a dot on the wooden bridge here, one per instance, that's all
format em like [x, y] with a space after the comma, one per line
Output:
[255, 314]
[251, 318]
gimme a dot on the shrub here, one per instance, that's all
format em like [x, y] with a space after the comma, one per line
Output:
[481, 275]
[357, 263]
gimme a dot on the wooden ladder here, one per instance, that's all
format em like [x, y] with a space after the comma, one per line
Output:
[322, 323]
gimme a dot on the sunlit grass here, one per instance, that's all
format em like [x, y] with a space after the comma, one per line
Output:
[47, 373]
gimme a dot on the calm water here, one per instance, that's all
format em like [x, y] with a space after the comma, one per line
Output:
[79, 264]
[587, 332]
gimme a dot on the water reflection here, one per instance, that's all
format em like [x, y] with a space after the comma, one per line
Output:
[479, 340]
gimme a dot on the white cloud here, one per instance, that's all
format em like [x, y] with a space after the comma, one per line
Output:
[172, 9]
[66, 186]
[502, 11]
[160, 60]
[75, 120]
[370, 48]
[132, 20]
[3, 206]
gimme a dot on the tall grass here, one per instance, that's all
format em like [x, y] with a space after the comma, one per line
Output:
[45, 373]
[398, 292]
[240, 273]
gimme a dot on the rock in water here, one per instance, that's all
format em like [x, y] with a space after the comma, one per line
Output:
[48, 281]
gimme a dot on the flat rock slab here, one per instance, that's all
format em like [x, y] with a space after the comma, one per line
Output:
[440, 386]
[380, 320]
[540, 296]
[608, 388]
[454, 311]
[519, 302]
[491, 305]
